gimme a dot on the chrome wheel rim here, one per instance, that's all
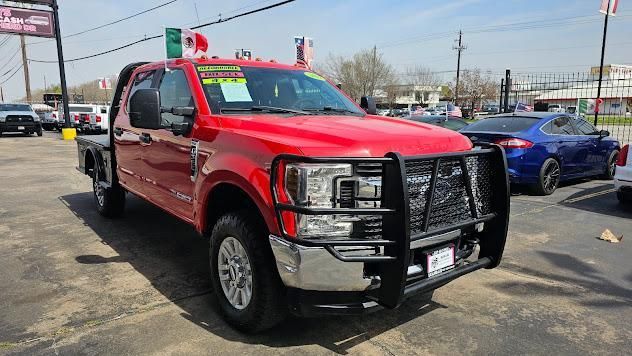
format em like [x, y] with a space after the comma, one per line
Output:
[99, 192]
[235, 274]
[551, 176]
[613, 166]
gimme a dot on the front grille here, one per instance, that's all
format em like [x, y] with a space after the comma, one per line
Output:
[19, 118]
[450, 202]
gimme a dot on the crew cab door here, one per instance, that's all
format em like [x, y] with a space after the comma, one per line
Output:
[127, 144]
[166, 156]
[591, 142]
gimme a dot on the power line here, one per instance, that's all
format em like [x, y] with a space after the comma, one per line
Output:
[12, 68]
[161, 35]
[111, 23]
[515, 26]
[120, 20]
[10, 59]
[11, 76]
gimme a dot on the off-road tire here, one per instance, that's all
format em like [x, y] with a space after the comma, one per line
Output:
[611, 167]
[542, 187]
[113, 203]
[267, 306]
[39, 132]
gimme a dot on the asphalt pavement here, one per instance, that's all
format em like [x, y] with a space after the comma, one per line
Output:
[73, 282]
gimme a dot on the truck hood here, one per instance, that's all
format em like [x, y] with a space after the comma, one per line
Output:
[20, 113]
[343, 136]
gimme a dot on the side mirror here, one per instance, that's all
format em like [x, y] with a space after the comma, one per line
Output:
[368, 104]
[145, 109]
[604, 133]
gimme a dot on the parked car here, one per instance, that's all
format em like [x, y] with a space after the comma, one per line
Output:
[556, 108]
[19, 118]
[452, 123]
[48, 120]
[383, 112]
[544, 149]
[290, 193]
[623, 175]
[87, 118]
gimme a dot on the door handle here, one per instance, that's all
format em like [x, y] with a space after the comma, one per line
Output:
[118, 131]
[145, 138]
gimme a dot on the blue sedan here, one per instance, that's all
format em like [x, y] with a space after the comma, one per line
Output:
[546, 148]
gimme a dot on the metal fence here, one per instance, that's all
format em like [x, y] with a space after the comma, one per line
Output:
[576, 93]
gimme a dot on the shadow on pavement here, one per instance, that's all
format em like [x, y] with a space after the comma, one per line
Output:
[581, 275]
[173, 257]
[600, 200]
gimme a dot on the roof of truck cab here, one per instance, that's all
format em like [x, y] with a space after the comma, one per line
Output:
[228, 61]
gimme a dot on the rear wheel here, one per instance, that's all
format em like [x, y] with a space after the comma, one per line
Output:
[110, 201]
[612, 166]
[248, 288]
[549, 177]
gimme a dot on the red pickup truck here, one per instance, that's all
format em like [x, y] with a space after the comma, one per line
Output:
[312, 204]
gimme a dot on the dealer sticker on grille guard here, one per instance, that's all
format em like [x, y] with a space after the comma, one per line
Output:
[440, 260]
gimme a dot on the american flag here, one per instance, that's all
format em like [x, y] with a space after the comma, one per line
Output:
[520, 107]
[304, 49]
[454, 111]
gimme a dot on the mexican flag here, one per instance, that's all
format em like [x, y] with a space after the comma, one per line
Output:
[586, 106]
[183, 43]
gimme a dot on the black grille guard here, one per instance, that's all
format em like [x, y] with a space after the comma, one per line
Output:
[395, 210]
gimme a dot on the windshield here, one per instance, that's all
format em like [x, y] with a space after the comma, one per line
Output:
[231, 89]
[73, 108]
[502, 124]
[15, 107]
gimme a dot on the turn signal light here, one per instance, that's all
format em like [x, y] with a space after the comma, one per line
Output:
[514, 143]
[623, 156]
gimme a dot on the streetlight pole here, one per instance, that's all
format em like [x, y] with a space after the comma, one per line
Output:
[603, 52]
[62, 69]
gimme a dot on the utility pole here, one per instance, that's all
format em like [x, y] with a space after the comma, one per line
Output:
[1, 95]
[25, 65]
[460, 48]
[603, 52]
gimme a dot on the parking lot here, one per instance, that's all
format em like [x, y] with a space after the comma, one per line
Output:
[73, 282]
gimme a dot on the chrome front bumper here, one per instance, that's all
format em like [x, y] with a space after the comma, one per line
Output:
[314, 268]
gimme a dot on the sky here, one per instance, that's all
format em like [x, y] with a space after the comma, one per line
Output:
[565, 38]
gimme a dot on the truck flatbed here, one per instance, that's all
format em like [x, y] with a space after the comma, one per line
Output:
[101, 141]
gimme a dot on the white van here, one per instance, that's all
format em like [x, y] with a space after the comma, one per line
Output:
[556, 108]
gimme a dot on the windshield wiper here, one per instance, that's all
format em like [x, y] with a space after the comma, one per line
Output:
[269, 109]
[336, 110]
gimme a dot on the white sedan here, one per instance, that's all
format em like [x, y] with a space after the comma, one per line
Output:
[623, 175]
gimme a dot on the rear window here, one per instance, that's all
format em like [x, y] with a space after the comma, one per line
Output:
[503, 124]
[15, 107]
[80, 108]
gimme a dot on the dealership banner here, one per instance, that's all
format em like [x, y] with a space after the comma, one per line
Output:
[26, 21]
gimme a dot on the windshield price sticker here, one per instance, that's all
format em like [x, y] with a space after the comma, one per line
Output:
[235, 92]
[314, 76]
[223, 80]
[218, 68]
[222, 75]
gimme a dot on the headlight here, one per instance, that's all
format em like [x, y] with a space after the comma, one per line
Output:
[36, 119]
[318, 186]
[313, 186]
[2, 119]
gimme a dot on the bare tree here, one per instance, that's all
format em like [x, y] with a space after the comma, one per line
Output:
[421, 76]
[474, 87]
[362, 74]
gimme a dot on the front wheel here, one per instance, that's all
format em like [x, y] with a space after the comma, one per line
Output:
[549, 177]
[110, 201]
[243, 271]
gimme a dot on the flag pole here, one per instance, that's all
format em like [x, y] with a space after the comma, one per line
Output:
[164, 28]
[603, 52]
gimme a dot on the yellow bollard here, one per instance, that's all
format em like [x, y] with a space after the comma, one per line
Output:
[69, 133]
